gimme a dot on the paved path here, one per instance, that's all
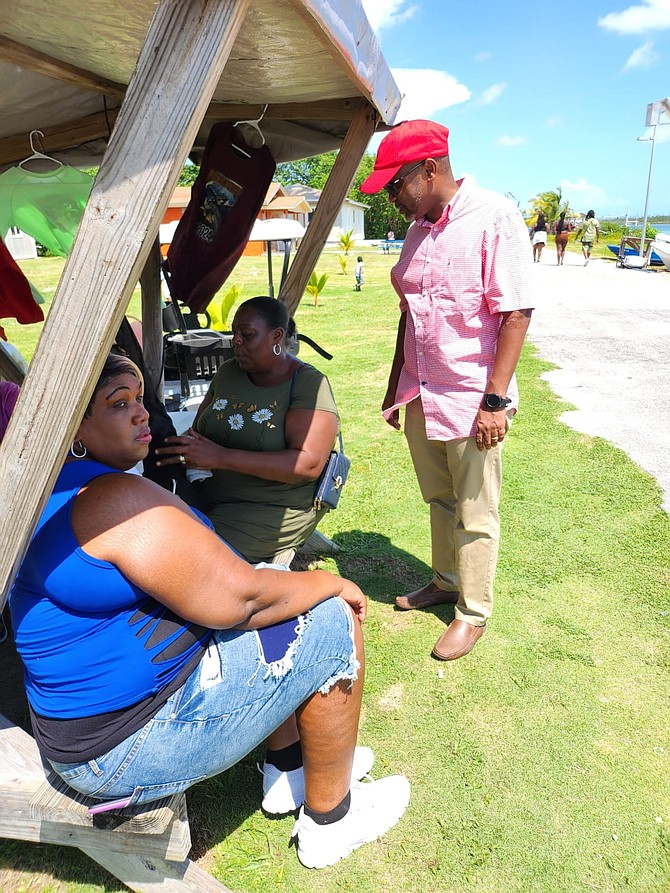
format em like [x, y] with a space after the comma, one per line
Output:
[608, 329]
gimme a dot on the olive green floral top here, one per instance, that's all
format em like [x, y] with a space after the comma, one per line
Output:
[257, 517]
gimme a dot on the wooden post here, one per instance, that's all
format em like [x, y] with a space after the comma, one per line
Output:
[349, 157]
[180, 64]
[152, 320]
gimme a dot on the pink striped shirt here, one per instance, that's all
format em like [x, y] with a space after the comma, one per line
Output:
[454, 278]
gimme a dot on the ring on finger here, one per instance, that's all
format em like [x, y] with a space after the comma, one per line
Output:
[182, 459]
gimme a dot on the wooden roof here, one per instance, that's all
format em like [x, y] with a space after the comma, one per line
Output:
[65, 67]
[135, 85]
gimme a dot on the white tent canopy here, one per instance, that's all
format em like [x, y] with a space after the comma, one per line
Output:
[137, 85]
[276, 229]
[64, 69]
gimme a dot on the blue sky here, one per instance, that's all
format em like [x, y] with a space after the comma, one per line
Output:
[539, 95]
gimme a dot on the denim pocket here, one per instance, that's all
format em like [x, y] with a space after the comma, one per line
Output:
[71, 772]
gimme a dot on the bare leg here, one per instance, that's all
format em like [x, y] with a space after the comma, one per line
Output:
[328, 726]
[285, 735]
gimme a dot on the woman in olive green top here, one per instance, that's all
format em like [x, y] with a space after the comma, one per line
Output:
[265, 429]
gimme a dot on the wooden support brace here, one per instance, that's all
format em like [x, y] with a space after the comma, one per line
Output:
[152, 320]
[308, 253]
[180, 64]
[150, 857]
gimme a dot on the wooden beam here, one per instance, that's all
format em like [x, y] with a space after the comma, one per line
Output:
[98, 126]
[180, 64]
[325, 110]
[64, 136]
[149, 875]
[152, 320]
[358, 136]
[34, 60]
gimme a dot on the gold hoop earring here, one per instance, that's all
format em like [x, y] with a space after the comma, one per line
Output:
[276, 350]
[81, 446]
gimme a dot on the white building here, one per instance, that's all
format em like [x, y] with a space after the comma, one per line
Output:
[20, 245]
[351, 215]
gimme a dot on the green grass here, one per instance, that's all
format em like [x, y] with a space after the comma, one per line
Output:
[539, 763]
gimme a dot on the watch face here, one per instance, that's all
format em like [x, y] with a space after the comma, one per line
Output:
[493, 401]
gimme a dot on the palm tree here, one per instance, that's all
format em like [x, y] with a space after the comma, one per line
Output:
[316, 285]
[551, 204]
[347, 241]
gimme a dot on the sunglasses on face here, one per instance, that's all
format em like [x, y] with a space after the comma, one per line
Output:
[393, 188]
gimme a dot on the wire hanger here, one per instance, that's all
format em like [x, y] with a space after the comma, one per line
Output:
[37, 155]
[253, 123]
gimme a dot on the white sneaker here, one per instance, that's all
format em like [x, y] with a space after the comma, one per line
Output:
[285, 791]
[375, 807]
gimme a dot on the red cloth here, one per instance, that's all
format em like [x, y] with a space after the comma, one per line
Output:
[225, 200]
[16, 299]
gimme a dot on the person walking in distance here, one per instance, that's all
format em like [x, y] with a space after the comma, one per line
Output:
[562, 233]
[465, 286]
[539, 237]
[358, 273]
[590, 233]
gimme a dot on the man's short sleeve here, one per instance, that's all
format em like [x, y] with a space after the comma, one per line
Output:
[507, 264]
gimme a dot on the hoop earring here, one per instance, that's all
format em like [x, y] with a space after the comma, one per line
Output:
[76, 455]
[276, 350]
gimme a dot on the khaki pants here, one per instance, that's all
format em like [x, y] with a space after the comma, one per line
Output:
[462, 487]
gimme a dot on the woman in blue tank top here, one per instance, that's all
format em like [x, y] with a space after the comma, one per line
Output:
[149, 667]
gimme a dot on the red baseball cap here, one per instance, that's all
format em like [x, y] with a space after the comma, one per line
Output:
[409, 141]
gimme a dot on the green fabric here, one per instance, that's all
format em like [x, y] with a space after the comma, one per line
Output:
[259, 518]
[47, 206]
[590, 230]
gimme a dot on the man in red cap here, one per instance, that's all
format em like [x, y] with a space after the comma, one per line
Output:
[464, 283]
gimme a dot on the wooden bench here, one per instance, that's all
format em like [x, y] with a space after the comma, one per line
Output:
[145, 847]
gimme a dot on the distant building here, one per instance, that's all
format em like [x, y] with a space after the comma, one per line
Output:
[287, 202]
[351, 215]
[20, 245]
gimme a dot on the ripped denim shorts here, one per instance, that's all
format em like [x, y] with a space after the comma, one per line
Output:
[245, 686]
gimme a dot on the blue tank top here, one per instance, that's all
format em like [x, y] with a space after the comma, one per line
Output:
[91, 641]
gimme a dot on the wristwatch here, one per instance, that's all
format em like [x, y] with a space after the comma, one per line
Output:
[495, 401]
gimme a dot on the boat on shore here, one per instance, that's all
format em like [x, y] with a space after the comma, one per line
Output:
[661, 247]
[655, 259]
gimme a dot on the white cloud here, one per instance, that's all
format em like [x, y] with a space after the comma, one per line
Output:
[554, 121]
[511, 142]
[482, 57]
[582, 193]
[651, 15]
[426, 91]
[643, 57]
[388, 13]
[492, 93]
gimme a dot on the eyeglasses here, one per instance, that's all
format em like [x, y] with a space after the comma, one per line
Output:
[393, 188]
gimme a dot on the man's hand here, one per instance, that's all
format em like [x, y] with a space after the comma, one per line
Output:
[490, 428]
[394, 419]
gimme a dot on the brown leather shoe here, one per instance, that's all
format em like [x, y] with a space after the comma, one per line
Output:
[458, 639]
[426, 597]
